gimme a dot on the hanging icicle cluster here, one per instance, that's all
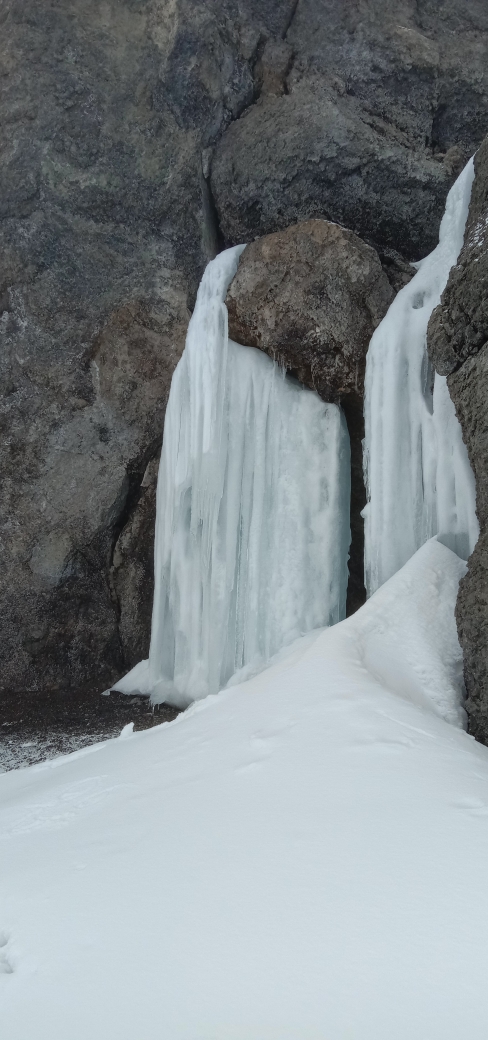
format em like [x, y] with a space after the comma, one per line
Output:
[419, 479]
[252, 532]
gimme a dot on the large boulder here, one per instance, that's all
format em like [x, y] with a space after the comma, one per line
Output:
[311, 297]
[458, 345]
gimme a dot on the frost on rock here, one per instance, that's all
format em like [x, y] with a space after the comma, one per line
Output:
[252, 529]
[418, 476]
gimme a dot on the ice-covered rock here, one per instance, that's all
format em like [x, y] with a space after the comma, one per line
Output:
[419, 479]
[252, 531]
[458, 347]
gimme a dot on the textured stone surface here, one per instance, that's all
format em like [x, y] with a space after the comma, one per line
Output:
[311, 297]
[106, 223]
[469, 390]
[458, 344]
[381, 104]
[110, 117]
[132, 571]
[458, 328]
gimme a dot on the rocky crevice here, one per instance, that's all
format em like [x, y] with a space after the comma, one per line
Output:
[291, 19]
[132, 570]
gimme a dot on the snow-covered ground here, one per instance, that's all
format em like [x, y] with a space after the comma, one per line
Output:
[301, 857]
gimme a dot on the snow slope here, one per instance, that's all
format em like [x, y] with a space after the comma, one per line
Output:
[301, 857]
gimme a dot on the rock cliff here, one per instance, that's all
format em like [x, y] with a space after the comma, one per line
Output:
[138, 136]
[458, 345]
[106, 223]
[379, 105]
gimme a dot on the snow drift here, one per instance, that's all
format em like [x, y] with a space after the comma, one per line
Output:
[304, 855]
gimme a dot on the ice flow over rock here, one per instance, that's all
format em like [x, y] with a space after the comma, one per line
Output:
[252, 529]
[418, 476]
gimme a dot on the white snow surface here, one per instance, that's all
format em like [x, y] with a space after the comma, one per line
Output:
[418, 475]
[301, 857]
[252, 529]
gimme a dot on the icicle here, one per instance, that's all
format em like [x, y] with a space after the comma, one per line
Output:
[419, 479]
[252, 531]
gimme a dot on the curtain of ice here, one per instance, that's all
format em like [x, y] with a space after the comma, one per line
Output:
[252, 530]
[418, 476]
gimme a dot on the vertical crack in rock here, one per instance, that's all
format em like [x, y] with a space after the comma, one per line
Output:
[352, 407]
[132, 567]
[291, 19]
[212, 238]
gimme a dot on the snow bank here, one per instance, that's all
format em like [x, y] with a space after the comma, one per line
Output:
[418, 475]
[252, 530]
[302, 856]
[406, 633]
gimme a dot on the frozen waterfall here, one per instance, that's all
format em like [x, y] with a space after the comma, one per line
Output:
[252, 531]
[418, 476]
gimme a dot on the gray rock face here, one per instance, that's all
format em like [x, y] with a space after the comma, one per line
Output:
[106, 223]
[311, 297]
[110, 121]
[458, 344]
[458, 328]
[381, 104]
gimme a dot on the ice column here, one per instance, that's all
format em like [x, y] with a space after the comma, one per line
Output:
[418, 476]
[252, 531]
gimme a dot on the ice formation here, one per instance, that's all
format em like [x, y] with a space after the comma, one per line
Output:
[252, 530]
[419, 479]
